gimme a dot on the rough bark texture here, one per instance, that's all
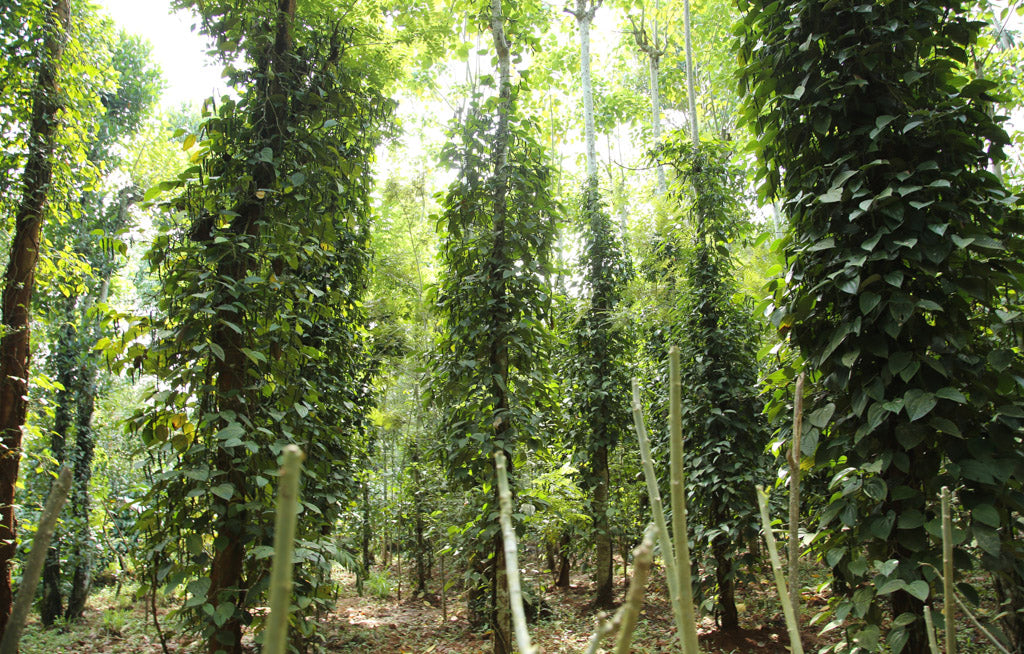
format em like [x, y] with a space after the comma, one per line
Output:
[19, 284]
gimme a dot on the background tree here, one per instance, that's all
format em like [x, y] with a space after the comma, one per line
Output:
[903, 257]
[492, 296]
[260, 343]
[92, 236]
[721, 411]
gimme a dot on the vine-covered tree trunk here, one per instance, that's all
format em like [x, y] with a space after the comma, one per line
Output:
[19, 284]
[604, 594]
[231, 370]
[51, 606]
[85, 440]
[903, 259]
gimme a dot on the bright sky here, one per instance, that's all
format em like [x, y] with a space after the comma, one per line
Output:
[181, 53]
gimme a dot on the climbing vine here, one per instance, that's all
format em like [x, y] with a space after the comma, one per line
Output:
[904, 268]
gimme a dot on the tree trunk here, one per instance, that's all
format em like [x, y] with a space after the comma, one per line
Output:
[230, 371]
[51, 606]
[501, 614]
[605, 595]
[562, 581]
[81, 580]
[20, 283]
[725, 575]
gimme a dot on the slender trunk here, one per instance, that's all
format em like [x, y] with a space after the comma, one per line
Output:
[51, 606]
[501, 627]
[562, 581]
[655, 61]
[691, 88]
[20, 283]
[605, 592]
[725, 576]
[585, 17]
[84, 447]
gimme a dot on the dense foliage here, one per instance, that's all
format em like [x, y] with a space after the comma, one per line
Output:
[902, 288]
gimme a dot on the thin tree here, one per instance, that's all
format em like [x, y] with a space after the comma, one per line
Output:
[599, 378]
[19, 281]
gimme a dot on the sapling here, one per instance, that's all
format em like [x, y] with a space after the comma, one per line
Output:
[34, 565]
[275, 638]
[947, 572]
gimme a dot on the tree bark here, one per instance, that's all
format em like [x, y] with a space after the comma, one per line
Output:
[501, 614]
[605, 592]
[20, 284]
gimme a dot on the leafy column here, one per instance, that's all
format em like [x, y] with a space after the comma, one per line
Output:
[260, 343]
[903, 253]
[19, 281]
[492, 298]
[600, 417]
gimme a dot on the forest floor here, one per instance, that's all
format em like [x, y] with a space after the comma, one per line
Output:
[419, 625]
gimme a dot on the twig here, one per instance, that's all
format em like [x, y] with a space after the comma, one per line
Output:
[508, 537]
[275, 640]
[34, 565]
[780, 579]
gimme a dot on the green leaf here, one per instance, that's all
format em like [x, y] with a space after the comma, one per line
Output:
[987, 515]
[223, 613]
[224, 491]
[918, 589]
[892, 586]
[918, 403]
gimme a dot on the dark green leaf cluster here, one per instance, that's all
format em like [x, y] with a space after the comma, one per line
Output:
[726, 434]
[597, 369]
[263, 260]
[493, 295]
[904, 279]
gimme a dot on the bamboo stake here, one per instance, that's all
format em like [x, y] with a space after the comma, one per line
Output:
[276, 635]
[947, 572]
[630, 610]
[780, 579]
[929, 624]
[34, 565]
[794, 497]
[643, 557]
[657, 511]
[508, 537]
[679, 532]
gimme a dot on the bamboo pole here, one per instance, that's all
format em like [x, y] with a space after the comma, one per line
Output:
[626, 617]
[948, 603]
[34, 565]
[679, 531]
[508, 537]
[933, 644]
[657, 510]
[780, 579]
[629, 613]
[276, 635]
[794, 497]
